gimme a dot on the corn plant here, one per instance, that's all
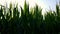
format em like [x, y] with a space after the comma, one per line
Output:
[30, 21]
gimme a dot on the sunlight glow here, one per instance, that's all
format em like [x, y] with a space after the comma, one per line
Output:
[32, 3]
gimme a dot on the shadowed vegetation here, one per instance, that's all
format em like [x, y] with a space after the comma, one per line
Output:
[30, 22]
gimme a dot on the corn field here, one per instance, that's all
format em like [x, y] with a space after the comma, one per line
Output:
[30, 21]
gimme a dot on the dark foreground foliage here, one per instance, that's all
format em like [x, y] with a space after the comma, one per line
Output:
[30, 22]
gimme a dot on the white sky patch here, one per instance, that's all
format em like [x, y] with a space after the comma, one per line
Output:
[42, 5]
[32, 3]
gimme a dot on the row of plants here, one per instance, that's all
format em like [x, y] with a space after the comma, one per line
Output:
[30, 21]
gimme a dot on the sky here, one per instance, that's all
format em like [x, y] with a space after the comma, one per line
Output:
[44, 4]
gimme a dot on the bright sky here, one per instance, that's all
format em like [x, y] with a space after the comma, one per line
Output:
[45, 4]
